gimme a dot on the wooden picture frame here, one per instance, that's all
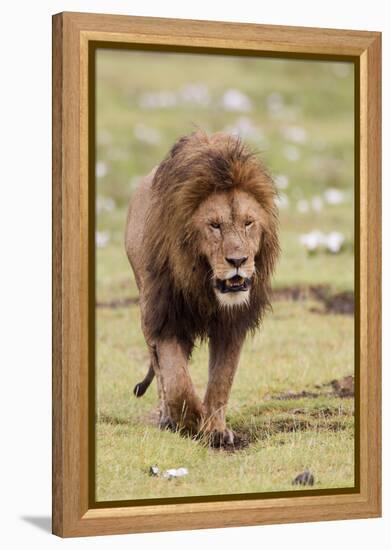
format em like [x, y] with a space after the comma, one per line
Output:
[74, 37]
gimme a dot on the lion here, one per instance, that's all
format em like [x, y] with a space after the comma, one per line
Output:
[202, 239]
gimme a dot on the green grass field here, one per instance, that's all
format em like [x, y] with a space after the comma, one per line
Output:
[299, 115]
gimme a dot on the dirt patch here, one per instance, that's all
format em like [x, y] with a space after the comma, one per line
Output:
[103, 418]
[344, 387]
[289, 423]
[296, 395]
[298, 293]
[327, 412]
[118, 303]
[297, 419]
[300, 424]
[340, 303]
[241, 441]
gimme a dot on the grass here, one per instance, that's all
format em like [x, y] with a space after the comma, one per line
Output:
[269, 465]
[285, 436]
[298, 348]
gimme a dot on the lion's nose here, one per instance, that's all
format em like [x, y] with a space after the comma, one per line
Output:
[236, 262]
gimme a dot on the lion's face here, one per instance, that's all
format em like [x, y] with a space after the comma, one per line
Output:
[229, 225]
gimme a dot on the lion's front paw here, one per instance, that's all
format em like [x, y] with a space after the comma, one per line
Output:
[223, 438]
[167, 423]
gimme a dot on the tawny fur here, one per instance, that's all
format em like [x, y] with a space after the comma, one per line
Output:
[177, 297]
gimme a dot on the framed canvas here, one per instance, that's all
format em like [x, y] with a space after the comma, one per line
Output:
[250, 156]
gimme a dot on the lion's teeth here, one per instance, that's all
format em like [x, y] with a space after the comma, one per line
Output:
[236, 282]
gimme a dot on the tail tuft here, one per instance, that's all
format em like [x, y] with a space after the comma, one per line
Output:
[140, 389]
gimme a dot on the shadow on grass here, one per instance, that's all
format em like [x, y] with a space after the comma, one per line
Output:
[104, 418]
[316, 413]
[257, 423]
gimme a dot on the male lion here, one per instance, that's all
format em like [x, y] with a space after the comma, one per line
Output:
[201, 237]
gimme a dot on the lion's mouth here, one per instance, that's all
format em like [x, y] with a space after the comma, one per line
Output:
[234, 284]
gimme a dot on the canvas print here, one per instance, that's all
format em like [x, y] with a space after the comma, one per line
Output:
[224, 275]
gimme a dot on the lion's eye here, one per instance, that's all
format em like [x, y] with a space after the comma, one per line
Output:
[248, 223]
[215, 225]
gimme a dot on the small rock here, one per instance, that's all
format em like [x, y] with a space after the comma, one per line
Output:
[154, 471]
[305, 478]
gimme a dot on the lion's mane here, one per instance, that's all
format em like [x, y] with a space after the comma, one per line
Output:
[181, 300]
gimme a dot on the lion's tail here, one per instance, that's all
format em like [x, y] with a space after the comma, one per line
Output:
[141, 387]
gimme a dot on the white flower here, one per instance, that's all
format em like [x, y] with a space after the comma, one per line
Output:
[104, 137]
[282, 201]
[303, 206]
[158, 100]
[341, 69]
[334, 242]
[235, 100]
[334, 196]
[312, 241]
[196, 93]
[297, 134]
[317, 203]
[175, 472]
[282, 181]
[316, 239]
[101, 169]
[318, 144]
[244, 128]
[105, 204]
[102, 238]
[275, 103]
[117, 154]
[146, 134]
[291, 153]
